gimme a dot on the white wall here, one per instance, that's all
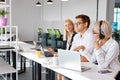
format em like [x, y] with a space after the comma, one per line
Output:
[106, 10]
[54, 15]
[110, 10]
[28, 17]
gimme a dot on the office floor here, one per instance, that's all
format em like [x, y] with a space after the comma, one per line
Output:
[28, 74]
[23, 76]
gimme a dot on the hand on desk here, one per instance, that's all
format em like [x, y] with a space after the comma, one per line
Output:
[50, 49]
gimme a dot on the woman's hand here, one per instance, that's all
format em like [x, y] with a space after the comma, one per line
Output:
[50, 49]
[97, 44]
[79, 48]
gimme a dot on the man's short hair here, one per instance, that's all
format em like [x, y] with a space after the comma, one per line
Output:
[85, 18]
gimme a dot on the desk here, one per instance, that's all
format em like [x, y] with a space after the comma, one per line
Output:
[87, 75]
[6, 37]
[91, 74]
[26, 50]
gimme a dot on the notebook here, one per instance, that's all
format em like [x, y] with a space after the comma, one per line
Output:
[70, 60]
[44, 53]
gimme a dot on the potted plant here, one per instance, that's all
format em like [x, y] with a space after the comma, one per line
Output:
[3, 20]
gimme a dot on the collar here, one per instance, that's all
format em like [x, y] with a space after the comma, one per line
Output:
[84, 34]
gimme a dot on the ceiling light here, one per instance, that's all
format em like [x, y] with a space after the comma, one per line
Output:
[49, 2]
[38, 4]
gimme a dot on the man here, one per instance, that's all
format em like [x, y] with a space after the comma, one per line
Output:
[83, 40]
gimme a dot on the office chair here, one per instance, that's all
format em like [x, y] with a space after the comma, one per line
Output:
[59, 38]
[57, 33]
[51, 39]
[49, 35]
[117, 77]
[40, 31]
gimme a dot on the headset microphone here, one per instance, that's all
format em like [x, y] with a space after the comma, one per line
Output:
[101, 36]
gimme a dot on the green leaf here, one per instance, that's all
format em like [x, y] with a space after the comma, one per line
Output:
[3, 12]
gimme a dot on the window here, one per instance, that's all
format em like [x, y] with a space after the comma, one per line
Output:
[117, 17]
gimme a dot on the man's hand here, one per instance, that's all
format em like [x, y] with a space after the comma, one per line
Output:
[82, 47]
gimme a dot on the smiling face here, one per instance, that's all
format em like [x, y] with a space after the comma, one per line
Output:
[69, 27]
[105, 30]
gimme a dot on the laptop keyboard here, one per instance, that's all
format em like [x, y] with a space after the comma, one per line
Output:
[49, 54]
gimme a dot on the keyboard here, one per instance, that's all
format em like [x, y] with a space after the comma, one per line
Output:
[48, 54]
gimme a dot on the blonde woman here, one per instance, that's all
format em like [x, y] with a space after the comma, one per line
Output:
[106, 49]
[68, 35]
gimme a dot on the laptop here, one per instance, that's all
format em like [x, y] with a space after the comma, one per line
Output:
[70, 60]
[44, 53]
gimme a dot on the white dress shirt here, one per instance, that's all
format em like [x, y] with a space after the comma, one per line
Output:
[106, 56]
[86, 39]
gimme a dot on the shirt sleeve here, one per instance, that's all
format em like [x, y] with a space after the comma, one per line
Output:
[89, 43]
[90, 56]
[89, 48]
[105, 58]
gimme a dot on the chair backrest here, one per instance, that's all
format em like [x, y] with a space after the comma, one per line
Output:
[49, 32]
[40, 31]
[57, 33]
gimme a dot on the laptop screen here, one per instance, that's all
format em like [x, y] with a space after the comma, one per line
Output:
[69, 59]
[38, 46]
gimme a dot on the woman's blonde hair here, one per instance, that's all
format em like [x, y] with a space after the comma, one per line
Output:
[65, 35]
[106, 28]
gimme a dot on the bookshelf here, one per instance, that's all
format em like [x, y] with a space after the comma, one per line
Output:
[8, 34]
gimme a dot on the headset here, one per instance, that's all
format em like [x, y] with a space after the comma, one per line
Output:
[101, 36]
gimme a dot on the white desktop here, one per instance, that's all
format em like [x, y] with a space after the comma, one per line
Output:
[91, 74]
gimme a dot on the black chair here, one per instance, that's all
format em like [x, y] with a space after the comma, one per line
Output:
[117, 77]
[49, 35]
